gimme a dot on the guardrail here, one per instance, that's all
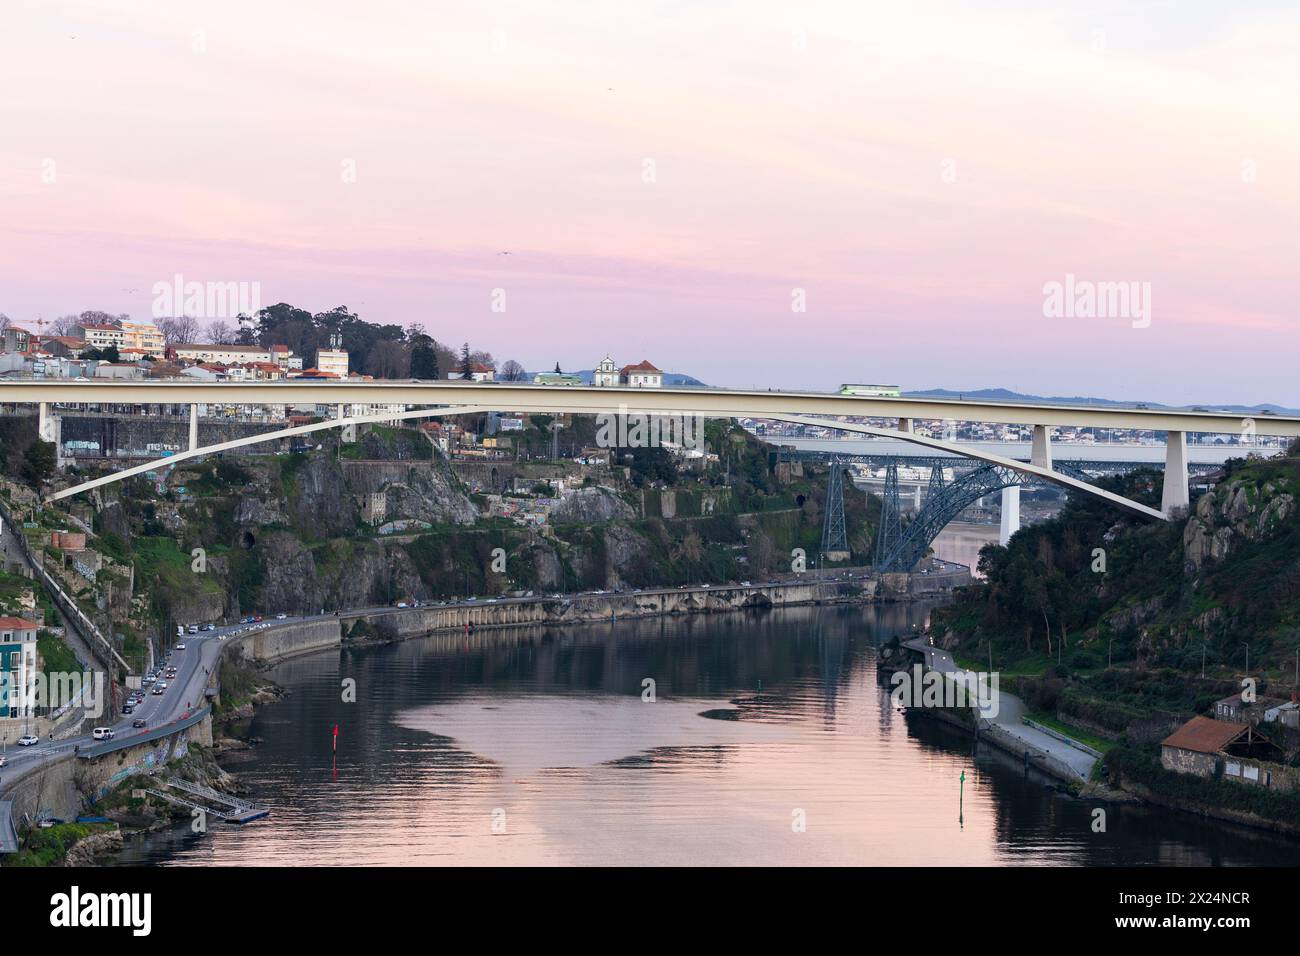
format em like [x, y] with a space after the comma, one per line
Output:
[60, 597]
[1063, 738]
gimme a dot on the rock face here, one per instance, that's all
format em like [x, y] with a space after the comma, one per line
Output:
[85, 851]
[320, 504]
[591, 506]
[429, 494]
[1236, 511]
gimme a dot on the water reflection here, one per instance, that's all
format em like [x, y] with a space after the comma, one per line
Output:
[534, 746]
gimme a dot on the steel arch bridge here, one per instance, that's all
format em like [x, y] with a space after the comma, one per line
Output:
[899, 547]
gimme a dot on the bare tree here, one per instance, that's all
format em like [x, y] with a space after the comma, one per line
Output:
[179, 329]
[512, 371]
[64, 325]
[220, 332]
[4, 322]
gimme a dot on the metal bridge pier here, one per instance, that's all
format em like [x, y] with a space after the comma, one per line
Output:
[194, 426]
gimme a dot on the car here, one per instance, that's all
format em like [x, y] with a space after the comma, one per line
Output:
[27, 740]
[147, 679]
[209, 627]
[102, 733]
[402, 604]
[745, 584]
[139, 722]
[157, 691]
[281, 616]
[3, 760]
[128, 709]
[257, 619]
[492, 600]
[194, 629]
[245, 620]
[180, 646]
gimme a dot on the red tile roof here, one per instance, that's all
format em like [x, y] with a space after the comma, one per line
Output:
[642, 366]
[1204, 735]
[17, 624]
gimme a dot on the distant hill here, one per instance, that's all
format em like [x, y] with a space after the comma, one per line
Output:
[1005, 395]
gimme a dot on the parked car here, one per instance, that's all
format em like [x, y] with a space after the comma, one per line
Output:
[27, 740]
[180, 647]
[194, 629]
[102, 733]
[127, 709]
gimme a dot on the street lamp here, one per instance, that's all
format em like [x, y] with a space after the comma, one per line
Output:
[1247, 647]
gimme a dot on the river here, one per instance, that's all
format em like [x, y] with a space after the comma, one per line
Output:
[768, 742]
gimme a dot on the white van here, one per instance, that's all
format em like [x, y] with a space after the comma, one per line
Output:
[102, 733]
[194, 629]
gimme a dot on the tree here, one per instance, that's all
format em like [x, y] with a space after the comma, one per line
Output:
[220, 332]
[64, 325]
[180, 329]
[424, 357]
[512, 371]
[39, 462]
[466, 363]
[4, 322]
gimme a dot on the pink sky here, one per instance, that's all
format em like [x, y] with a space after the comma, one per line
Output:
[794, 146]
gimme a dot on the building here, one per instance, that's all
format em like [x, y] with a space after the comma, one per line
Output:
[478, 373]
[17, 667]
[222, 354]
[68, 540]
[144, 336]
[100, 336]
[1210, 748]
[14, 339]
[1233, 708]
[642, 375]
[283, 356]
[333, 362]
[606, 373]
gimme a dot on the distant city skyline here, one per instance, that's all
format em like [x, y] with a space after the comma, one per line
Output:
[663, 181]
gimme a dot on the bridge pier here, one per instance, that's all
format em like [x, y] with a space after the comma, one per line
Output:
[194, 426]
[1010, 513]
[47, 425]
[1176, 493]
[905, 425]
[349, 431]
[1040, 452]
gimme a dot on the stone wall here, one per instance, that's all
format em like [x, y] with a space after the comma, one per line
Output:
[287, 640]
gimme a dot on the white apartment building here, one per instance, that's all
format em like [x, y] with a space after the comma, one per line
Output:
[100, 336]
[334, 361]
[223, 354]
